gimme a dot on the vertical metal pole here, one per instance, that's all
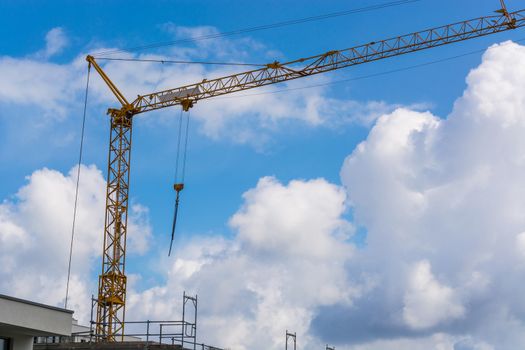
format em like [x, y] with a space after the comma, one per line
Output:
[147, 331]
[91, 319]
[195, 324]
[290, 335]
[183, 317]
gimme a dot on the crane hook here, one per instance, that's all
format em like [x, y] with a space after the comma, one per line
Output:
[178, 187]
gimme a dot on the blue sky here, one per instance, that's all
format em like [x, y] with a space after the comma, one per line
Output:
[214, 191]
[231, 147]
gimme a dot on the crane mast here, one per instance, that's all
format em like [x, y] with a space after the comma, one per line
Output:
[112, 280]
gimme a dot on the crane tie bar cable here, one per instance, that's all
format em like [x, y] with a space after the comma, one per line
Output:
[76, 188]
[260, 27]
[150, 60]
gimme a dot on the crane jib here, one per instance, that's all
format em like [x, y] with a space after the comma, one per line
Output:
[336, 59]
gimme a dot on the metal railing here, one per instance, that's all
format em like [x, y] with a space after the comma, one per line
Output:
[180, 333]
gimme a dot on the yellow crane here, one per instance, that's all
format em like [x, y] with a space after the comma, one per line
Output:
[111, 298]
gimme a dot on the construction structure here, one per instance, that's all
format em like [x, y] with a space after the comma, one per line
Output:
[111, 299]
[181, 332]
[148, 334]
[292, 338]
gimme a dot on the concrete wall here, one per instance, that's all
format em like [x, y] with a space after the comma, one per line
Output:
[33, 316]
[22, 320]
[22, 342]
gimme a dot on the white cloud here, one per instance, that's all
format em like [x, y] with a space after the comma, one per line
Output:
[57, 90]
[51, 88]
[236, 117]
[520, 244]
[56, 41]
[35, 231]
[240, 48]
[287, 258]
[139, 229]
[426, 301]
[266, 225]
[250, 117]
[448, 193]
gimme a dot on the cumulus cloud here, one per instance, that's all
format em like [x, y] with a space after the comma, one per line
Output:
[442, 203]
[265, 224]
[287, 257]
[426, 301]
[35, 231]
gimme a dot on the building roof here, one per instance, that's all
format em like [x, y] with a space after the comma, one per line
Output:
[29, 302]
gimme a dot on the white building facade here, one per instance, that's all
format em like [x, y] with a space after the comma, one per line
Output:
[22, 320]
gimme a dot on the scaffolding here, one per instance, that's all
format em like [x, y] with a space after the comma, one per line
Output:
[181, 332]
[293, 337]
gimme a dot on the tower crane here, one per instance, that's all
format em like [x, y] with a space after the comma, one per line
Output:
[112, 283]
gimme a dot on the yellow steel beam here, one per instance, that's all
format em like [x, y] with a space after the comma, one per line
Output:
[279, 72]
[120, 97]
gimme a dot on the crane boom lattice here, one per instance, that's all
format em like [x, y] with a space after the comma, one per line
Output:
[280, 72]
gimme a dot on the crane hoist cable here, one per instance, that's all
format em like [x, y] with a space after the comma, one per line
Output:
[179, 184]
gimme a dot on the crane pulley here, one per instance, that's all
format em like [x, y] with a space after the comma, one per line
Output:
[112, 280]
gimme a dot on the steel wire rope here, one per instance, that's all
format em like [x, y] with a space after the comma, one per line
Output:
[259, 28]
[77, 185]
[179, 137]
[185, 146]
[180, 61]
[179, 186]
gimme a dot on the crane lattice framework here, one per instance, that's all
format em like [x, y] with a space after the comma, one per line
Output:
[112, 280]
